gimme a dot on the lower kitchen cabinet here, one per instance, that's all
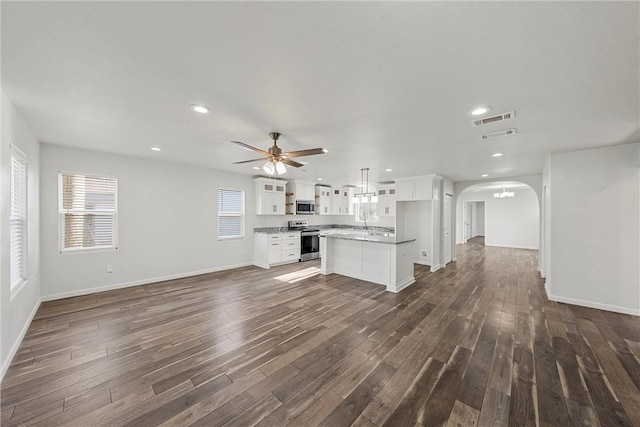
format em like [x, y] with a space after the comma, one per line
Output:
[276, 248]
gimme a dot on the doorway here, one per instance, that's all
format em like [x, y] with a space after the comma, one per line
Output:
[474, 223]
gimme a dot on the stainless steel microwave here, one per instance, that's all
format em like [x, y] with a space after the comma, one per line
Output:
[305, 207]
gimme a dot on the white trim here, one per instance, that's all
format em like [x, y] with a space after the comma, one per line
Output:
[139, 282]
[513, 247]
[16, 344]
[400, 286]
[591, 304]
[435, 268]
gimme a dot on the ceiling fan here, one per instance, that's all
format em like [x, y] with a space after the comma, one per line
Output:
[276, 159]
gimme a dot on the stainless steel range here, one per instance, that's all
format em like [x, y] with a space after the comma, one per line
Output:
[309, 239]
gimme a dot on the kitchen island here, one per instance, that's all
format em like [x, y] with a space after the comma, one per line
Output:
[385, 260]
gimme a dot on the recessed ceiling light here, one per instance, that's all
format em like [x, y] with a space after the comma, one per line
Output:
[156, 149]
[319, 179]
[200, 108]
[388, 170]
[497, 155]
[484, 175]
[480, 110]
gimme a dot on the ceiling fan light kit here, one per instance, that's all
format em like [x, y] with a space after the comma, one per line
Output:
[276, 159]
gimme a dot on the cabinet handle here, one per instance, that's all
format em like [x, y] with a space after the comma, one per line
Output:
[274, 244]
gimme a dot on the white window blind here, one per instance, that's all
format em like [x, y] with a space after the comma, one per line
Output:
[88, 212]
[18, 218]
[230, 214]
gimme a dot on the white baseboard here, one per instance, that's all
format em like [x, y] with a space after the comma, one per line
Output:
[435, 268]
[411, 280]
[114, 286]
[591, 304]
[16, 344]
[513, 247]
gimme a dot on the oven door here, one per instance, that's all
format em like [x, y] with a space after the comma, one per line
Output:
[309, 246]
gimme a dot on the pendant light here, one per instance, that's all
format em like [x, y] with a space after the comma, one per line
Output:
[365, 196]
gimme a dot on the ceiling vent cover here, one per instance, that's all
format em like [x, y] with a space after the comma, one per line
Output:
[494, 119]
[497, 134]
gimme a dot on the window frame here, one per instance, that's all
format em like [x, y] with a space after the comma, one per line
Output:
[242, 214]
[16, 153]
[61, 234]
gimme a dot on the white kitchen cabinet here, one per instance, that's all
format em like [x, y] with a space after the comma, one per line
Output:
[302, 190]
[414, 188]
[270, 196]
[347, 203]
[323, 200]
[387, 200]
[336, 200]
[276, 248]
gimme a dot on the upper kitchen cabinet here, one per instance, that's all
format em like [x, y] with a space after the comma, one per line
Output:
[414, 188]
[302, 190]
[270, 196]
[347, 200]
[387, 200]
[336, 200]
[323, 200]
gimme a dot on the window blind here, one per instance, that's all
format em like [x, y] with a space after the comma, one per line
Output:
[18, 218]
[230, 213]
[88, 212]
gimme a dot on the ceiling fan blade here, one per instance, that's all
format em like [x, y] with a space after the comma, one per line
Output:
[310, 152]
[249, 147]
[262, 159]
[291, 163]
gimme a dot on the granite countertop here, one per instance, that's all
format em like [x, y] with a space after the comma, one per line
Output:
[271, 230]
[324, 227]
[389, 240]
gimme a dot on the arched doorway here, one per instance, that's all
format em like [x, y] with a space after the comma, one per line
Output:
[510, 212]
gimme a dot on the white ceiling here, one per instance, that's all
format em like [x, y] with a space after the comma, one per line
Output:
[379, 84]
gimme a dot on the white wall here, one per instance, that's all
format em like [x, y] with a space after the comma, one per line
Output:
[167, 223]
[594, 228]
[477, 223]
[17, 310]
[512, 223]
[413, 219]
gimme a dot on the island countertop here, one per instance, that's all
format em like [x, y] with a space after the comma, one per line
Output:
[389, 240]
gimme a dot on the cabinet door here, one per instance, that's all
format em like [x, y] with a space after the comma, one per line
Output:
[391, 203]
[275, 252]
[272, 203]
[336, 201]
[404, 190]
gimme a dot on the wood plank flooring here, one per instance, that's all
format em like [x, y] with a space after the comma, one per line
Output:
[476, 343]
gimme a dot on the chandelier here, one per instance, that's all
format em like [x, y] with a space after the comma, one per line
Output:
[504, 195]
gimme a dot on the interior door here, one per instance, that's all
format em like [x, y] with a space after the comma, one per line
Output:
[446, 222]
[468, 215]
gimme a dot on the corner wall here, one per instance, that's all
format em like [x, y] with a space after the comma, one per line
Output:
[17, 310]
[594, 228]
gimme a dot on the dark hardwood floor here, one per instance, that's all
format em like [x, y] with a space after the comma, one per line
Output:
[478, 240]
[474, 343]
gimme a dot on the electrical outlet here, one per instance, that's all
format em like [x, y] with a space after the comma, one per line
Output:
[425, 254]
[109, 268]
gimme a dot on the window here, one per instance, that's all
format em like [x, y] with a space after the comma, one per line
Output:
[88, 207]
[366, 212]
[18, 218]
[230, 214]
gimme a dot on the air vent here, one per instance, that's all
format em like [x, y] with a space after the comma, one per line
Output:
[497, 134]
[494, 119]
